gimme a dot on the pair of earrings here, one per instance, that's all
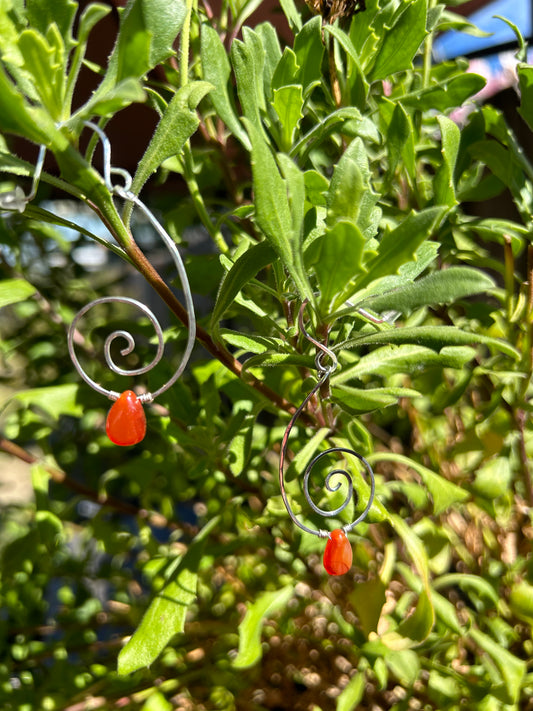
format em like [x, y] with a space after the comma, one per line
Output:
[126, 421]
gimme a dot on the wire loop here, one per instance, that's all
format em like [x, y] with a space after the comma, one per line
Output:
[123, 191]
[16, 200]
[337, 474]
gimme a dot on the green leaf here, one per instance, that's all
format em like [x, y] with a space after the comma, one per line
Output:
[166, 614]
[286, 71]
[45, 64]
[521, 55]
[365, 400]
[248, 60]
[352, 694]
[443, 287]
[368, 598]
[435, 337]
[250, 650]
[446, 94]
[401, 42]
[270, 41]
[122, 94]
[420, 623]
[415, 549]
[400, 141]
[288, 102]
[336, 259]
[217, 70]
[348, 116]
[493, 479]
[452, 21]
[506, 166]
[41, 215]
[243, 270]
[19, 118]
[446, 612]
[470, 582]
[359, 78]
[407, 358]
[525, 84]
[270, 360]
[511, 668]
[521, 601]
[444, 180]
[350, 193]
[156, 702]
[400, 244]
[405, 665]
[292, 14]
[240, 446]
[146, 35]
[176, 126]
[443, 492]
[295, 182]
[55, 400]
[249, 343]
[309, 51]
[90, 16]
[273, 212]
[14, 290]
[501, 231]
[43, 13]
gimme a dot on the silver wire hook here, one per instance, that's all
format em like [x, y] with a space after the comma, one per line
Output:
[16, 200]
[123, 191]
[325, 372]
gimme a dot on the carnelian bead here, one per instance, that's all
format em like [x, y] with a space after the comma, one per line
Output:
[126, 422]
[338, 554]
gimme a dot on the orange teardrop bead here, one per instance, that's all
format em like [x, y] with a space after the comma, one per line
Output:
[126, 422]
[338, 554]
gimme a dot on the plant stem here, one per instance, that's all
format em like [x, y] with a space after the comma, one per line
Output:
[185, 44]
[428, 49]
[199, 204]
[216, 350]
[60, 477]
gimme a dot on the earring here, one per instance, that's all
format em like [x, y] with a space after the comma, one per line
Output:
[338, 552]
[126, 421]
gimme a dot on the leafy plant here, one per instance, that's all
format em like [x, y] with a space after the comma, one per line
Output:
[325, 167]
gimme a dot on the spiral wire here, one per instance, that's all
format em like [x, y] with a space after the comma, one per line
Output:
[324, 371]
[123, 191]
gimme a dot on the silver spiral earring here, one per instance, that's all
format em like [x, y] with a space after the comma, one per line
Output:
[126, 421]
[338, 553]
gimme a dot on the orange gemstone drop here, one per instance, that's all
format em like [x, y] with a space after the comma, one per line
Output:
[338, 554]
[126, 422]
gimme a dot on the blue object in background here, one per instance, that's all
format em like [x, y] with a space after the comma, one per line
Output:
[520, 12]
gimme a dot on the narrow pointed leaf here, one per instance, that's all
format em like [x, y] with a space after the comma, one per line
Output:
[443, 287]
[166, 614]
[250, 650]
[435, 337]
[401, 42]
[244, 269]
[400, 245]
[217, 70]
[14, 290]
[176, 126]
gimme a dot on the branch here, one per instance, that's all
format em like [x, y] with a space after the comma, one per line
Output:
[60, 477]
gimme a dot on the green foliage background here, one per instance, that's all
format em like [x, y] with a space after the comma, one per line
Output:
[325, 167]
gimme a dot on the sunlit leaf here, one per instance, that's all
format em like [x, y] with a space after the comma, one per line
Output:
[13, 290]
[267, 603]
[165, 617]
